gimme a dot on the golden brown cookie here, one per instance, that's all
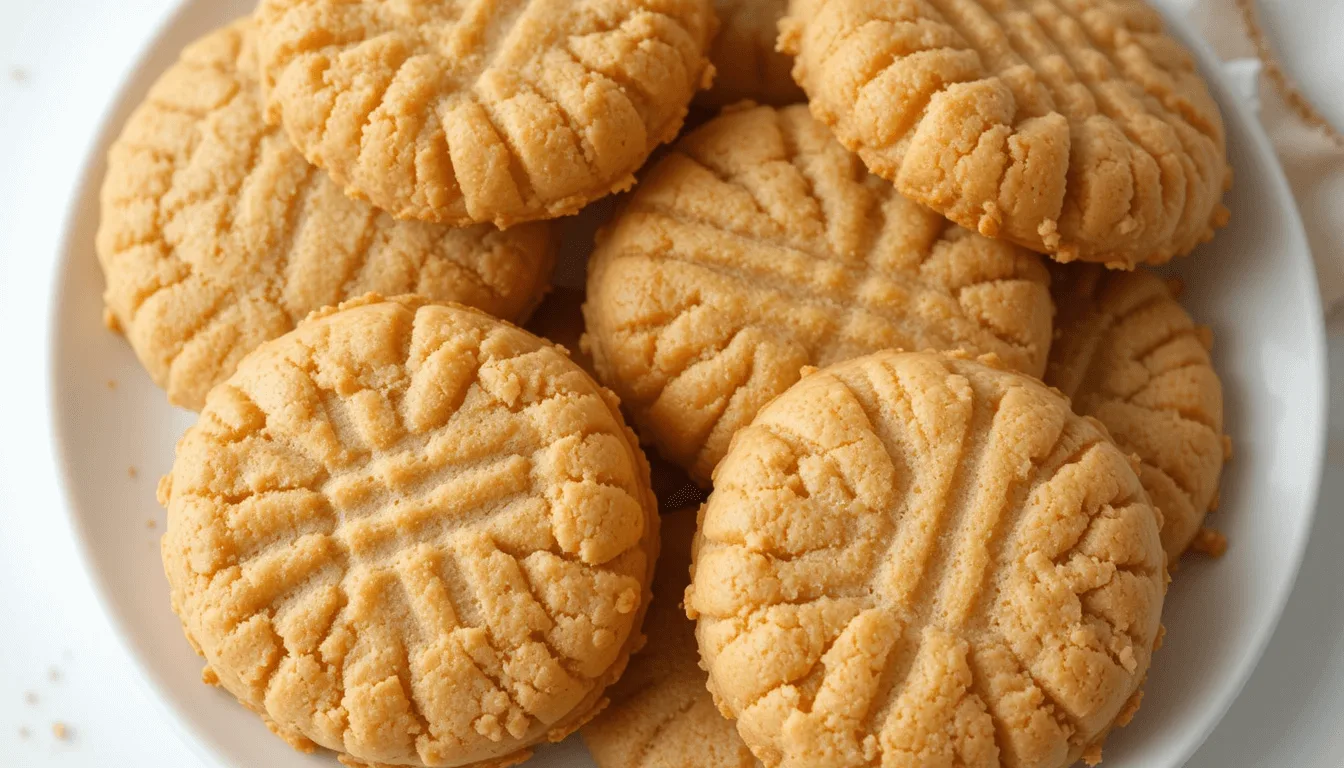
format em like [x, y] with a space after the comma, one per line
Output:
[461, 112]
[217, 235]
[759, 246]
[916, 559]
[1074, 127]
[1129, 355]
[746, 64]
[413, 534]
[661, 715]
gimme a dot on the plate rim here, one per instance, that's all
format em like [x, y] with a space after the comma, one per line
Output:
[1212, 69]
[1210, 66]
[93, 160]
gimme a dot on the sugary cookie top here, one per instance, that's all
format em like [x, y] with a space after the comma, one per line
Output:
[467, 111]
[746, 64]
[759, 245]
[412, 534]
[661, 715]
[1128, 354]
[915, 559]
[217, 235]
[1074, 127]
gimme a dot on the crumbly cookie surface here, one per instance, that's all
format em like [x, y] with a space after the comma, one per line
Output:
[217, 235]
[661, 715]
[746, 64]
[759, 245]
[916, 559]
[1128, 354]
[501, 111]
[1074, 127]
[412, 534]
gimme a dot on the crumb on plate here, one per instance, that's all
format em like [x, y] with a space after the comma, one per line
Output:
[1209, 542]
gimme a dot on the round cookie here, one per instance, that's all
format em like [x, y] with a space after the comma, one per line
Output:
[746, 64]
[217, 235]
[758, 246]
[661, 715]
[1127, 354]
[413, 534]
[916, 559]
[1073, 127]
[461, 112]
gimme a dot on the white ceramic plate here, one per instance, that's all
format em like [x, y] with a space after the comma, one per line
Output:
[1254, 284]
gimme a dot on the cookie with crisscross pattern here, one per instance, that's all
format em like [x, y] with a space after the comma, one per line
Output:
[1074, 127]
[413, 534]
[217, 235]
[470, 111]
[914, 559]
[759, 245]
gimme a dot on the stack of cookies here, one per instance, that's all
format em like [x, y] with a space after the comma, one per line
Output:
[886, 309]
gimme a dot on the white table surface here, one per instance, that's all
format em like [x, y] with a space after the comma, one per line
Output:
[60, 63]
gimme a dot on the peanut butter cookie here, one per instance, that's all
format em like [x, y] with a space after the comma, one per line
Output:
[412, 534]
[1073, 127]
[915, 559]
[502, 111]
[746, 64]
[217, 235]
[1129, 355]
[759, 245]
[661, 715]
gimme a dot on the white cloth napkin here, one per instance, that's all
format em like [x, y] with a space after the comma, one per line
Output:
[1313, 164]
